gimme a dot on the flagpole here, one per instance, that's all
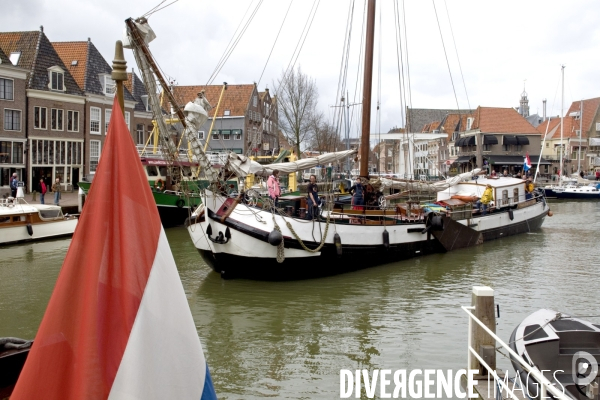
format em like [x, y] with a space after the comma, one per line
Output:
[119, 73]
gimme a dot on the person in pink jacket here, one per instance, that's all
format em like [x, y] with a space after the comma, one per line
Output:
[273, 186]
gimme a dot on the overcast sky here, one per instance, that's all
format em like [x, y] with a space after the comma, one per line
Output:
[501, 46]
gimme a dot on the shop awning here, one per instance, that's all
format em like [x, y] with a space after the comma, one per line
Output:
[514, 160]
[523, 140]
[462, 160]
[509, 139]
[490, 139]
[459, 142]
[465, 141]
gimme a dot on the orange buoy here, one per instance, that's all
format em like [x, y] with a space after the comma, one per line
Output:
[550, 213]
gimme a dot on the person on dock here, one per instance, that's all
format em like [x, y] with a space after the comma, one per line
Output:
[487, 198]
[14, 184]
[529, 188]
[56, 189]
[274, 188]
[43, 190]
[313, 197]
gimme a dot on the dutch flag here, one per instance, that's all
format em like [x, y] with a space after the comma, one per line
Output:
[118, 324]
[526, 163]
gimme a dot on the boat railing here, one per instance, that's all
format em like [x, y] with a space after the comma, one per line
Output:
[545, 385]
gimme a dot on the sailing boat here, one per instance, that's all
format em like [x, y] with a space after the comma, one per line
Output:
[571, 188]
[242, 237]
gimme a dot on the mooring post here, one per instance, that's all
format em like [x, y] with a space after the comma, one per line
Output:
[483, 301]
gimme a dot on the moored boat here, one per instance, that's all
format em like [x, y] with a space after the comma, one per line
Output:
[13, 353]
[20, 221]
[564, 348]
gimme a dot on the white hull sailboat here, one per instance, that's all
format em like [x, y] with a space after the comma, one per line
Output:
[242, 237]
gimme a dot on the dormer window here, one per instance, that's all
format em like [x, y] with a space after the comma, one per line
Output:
[145, 101]
[57, 79]
[226, 113]
[14, 57]
[110, 86]
[469, 123]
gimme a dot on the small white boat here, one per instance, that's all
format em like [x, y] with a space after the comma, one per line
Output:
[20, 221]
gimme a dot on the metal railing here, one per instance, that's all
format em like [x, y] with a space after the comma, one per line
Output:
[545, 385]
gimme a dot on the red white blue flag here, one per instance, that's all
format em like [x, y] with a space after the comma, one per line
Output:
[118, 324]
[526, 163]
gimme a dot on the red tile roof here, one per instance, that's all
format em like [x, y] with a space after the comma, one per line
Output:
[236, 98]
[74, 51]
[590, 107]
[501, 120]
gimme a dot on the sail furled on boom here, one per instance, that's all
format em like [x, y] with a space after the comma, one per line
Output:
[242, 165]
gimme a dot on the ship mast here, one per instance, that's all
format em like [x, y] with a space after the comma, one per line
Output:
[367, 85]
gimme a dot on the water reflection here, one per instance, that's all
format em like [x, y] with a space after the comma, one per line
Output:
[289, 340]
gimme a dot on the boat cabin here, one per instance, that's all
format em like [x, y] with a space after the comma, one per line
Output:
[507, 191]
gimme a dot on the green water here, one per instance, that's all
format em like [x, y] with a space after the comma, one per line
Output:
[290, 340]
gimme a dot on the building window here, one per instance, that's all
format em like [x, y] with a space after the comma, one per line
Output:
[547, 144]
[127, 119]
[469, 123]
[6, 89]
[73, 121]
[94, 155]
[95, 120]
[254, 101]
[107, 114]
[506, 147]
[215, 135]
[109, 86]
[57, 80]
[237, 134]
[140, 133]
[201, 135]
[56, 119]
[226, 113]
[40, 116]
[226, 135]
[518, 147]
[487, 147]
[12, 120]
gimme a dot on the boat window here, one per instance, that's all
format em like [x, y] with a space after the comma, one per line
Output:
[187, 171]
[53, 213]
[163, 171]
[533, 332]
[516, 195]
[151, 169]
[4, 219]
[19, 218]
[504, 197]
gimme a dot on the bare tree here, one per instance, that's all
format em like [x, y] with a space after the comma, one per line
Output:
[324, 137]
[297, 101]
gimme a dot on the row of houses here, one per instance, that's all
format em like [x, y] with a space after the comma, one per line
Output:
[56, 102]
[495, 139]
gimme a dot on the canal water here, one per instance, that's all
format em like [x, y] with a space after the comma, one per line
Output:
[289, 340]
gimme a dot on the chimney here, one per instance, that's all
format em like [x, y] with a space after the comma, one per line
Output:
[544, 112]
[42, 28]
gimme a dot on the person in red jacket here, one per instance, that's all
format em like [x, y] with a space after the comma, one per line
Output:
[43, 190]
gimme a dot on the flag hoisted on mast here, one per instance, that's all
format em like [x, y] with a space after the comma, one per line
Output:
[526, 163]
[118, 324]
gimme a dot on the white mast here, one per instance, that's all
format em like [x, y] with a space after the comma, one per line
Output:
[562, 112]
[580, 133]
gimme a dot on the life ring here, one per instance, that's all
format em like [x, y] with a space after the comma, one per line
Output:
[159, 185]
[180, 203]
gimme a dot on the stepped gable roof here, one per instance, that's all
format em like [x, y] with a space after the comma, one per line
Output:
[418, 117]
[590, 108]
[37, 55]
[4, 60]
[501, 120]
[90, 65]
[136, 87]
[235, 99]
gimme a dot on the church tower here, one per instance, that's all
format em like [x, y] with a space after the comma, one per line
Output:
[524, 104]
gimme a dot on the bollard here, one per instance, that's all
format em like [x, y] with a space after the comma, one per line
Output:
[483, 301]
[33, 194]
